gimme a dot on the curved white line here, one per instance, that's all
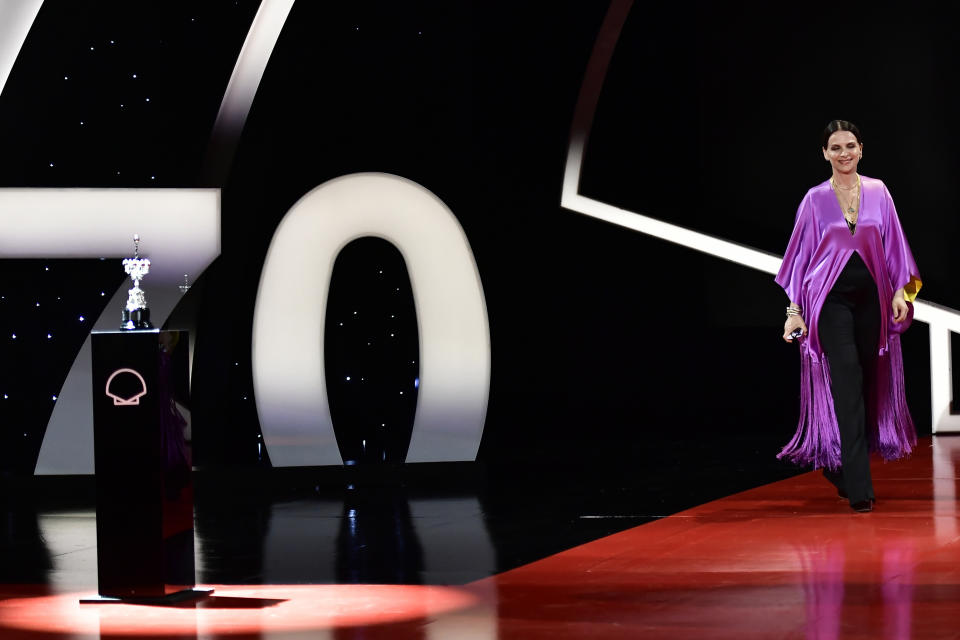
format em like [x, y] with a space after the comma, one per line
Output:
[942, 320]
[16, 18]
[242, 88]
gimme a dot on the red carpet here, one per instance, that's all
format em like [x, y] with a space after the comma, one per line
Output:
[786, 560]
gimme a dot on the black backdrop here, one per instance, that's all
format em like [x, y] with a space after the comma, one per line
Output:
[608, 345]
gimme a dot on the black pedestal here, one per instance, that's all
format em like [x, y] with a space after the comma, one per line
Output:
[144, 488]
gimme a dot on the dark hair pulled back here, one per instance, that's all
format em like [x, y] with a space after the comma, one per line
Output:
[840, 125]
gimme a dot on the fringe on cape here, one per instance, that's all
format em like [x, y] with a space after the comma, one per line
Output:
[890, 429]
[895, 435]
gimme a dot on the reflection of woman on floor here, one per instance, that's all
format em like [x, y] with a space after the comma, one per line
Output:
[850, 277]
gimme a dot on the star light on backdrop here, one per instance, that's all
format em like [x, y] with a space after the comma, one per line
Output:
[183, 225]
[118, 113]
[367, 372]
[119, 94]
[62, 127]
[29, 391]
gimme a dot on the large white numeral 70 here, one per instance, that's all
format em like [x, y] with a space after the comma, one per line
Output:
[181, 232]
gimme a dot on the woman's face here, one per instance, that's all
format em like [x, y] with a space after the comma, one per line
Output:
[843, 152]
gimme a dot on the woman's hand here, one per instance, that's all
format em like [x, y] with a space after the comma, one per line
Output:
[900, 308]
[792, 323]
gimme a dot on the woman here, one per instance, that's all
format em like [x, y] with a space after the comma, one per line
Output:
[850, 277]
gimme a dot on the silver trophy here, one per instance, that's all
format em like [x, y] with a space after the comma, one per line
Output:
[136, 315]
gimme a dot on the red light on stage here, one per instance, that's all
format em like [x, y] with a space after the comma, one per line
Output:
[234, 610]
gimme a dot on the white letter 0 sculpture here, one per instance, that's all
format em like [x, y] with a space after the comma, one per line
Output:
[289, 319]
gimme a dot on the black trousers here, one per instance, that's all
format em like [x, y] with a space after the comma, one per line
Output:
[849, 329]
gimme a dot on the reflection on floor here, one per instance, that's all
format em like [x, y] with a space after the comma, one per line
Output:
[788, 559]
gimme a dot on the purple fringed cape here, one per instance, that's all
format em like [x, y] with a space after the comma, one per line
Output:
[819, 248]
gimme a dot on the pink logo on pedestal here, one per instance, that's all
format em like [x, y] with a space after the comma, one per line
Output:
[130, 400]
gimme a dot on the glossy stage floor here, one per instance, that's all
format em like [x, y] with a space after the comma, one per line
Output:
[786, 560]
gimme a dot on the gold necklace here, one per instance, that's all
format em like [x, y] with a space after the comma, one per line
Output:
[850, 209]
[840, 186]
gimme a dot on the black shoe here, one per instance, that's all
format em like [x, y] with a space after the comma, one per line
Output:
[864, 506]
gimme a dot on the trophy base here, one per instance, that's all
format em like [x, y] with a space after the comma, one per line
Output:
[136, 319]
[186, 595]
